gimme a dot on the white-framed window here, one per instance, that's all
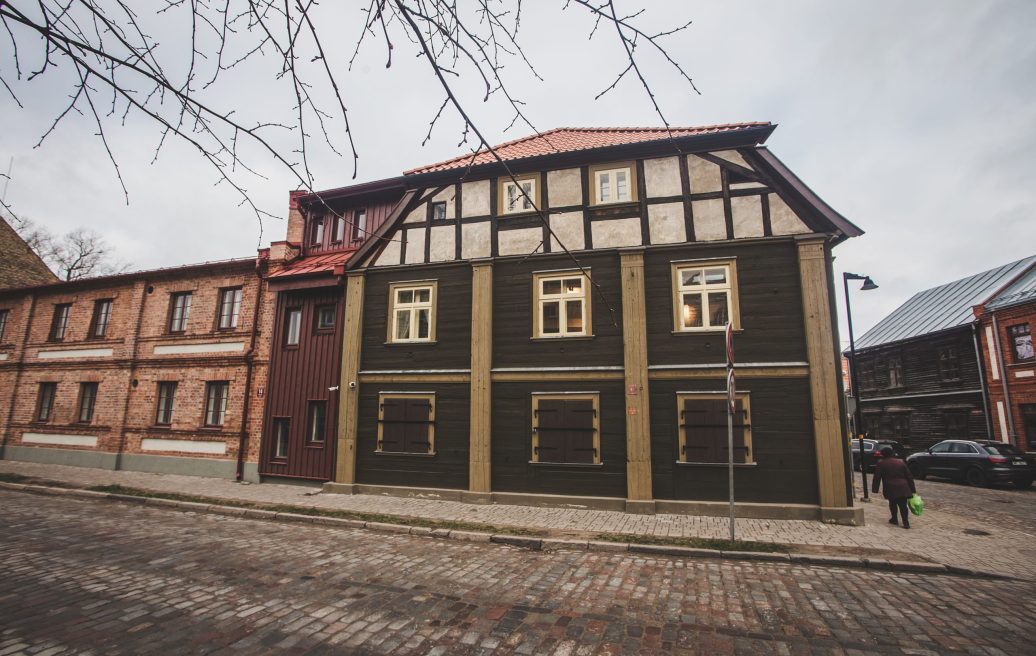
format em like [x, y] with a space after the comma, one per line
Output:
[293, 327]
[705, 295]
[613, 183]
[513, 200]
[412, 311]
[562, 307]
[281, 437]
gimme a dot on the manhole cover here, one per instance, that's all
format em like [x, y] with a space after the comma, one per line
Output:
[975, 531]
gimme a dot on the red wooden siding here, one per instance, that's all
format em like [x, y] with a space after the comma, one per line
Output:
[377, 211]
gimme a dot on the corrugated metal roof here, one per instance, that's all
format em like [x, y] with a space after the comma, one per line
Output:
[943, 307]
[314, 264]
[1020, 291]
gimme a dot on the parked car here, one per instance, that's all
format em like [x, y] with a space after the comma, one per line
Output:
[872, 451]
[976, 462]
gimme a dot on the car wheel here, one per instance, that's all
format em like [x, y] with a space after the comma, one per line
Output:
[917, 471]
[975, 477]
[1023, 483]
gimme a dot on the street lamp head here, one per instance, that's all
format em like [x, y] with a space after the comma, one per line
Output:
[868, 284]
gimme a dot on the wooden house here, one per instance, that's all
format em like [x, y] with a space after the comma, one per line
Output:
[547, 328]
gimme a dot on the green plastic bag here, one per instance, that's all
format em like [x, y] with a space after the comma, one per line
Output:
[916, 505]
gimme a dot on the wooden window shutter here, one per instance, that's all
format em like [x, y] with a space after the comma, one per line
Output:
[393, 424]
[418, 424]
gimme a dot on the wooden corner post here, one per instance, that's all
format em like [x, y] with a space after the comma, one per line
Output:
[818, 316]
[480, 470]
[635, 359]
[349, 385]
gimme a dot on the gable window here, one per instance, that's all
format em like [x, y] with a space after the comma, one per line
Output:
[326, 317]
[702, 418]
[412, 312]
[87, 401]
[101, 318]
[949, 363]
[229, 307]
[317, 428]
[1021, 342]
[406, 423]
[281, 435]
[705, 296]
[561, 304]
[566, 428]
[166, 399]
[179, 311]
[45, 401]
[316, 234]
[3, 323]
[59, 324]
[613, 183]
[895, 369]
[292, 326]
[216, 394]
[438, 212]
[520, 196]
[359, 225]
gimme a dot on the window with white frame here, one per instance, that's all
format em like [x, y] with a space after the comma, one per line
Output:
[613, 186]
[520, 196]
[292, 326]
[412, 312]
[705, 295]
[561, 304]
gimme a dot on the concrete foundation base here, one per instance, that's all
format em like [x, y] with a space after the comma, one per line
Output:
[184, 466]
[845, 516]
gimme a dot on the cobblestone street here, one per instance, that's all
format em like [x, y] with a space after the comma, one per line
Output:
[80, 576]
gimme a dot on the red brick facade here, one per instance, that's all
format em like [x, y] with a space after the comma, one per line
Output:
[1010, 378]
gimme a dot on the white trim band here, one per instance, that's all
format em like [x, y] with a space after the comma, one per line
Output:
[60, 440]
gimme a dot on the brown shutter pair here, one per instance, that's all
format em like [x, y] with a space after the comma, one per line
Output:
[705, 431]
[566, 431]
[405, 425]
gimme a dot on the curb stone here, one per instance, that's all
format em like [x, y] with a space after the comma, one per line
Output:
[536, 544]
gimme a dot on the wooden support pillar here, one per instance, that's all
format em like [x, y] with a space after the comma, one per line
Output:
[635, 358]
[349, 385]
[828, 435]
[480, 470]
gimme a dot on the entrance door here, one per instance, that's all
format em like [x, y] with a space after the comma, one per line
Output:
[1029, 419]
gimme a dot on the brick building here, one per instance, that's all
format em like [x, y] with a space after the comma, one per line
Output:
[1006, 321]
[20, 265]
[150, 371]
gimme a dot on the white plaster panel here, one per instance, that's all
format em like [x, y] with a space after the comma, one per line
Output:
[59, 440]
[662, 177]
[3, 356]
[709, 221]
[208, 347]
[568, 227]
[390, 254]
[182, 446]
[783, 220]
[414, 246]
[476, 239]
[448, 196]
[1027, 373]
[665, 221]
[75, 353]
[444, 244]
[994, 369]
[704, 175]
[734, 157]
[565, 187]
[747, 212]
[1003, 420]
[474, 198]
[616, 233]
[518, 242]
[418, 214]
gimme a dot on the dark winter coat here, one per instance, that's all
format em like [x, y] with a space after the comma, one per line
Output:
[894, 473]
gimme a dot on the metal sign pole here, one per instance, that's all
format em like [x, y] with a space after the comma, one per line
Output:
[731, 404]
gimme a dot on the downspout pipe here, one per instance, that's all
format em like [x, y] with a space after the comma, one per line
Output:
[242, 442]
[983, 383]
[1011, 437]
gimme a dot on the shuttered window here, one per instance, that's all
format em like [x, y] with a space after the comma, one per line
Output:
[406, 423]
[565, 429]
[703, 428]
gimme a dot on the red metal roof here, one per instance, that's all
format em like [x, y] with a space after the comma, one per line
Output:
[314, 264]
[562, 140]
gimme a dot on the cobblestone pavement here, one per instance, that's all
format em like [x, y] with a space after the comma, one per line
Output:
[988, 529]
[91, 577]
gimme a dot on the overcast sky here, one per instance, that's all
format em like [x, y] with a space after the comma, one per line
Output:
[917, 121]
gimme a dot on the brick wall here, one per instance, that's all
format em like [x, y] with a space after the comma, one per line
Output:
[1020, 377]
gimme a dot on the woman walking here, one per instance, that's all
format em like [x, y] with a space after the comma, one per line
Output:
[898, 484]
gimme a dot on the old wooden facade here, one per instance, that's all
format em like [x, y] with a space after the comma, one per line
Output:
[549, 329]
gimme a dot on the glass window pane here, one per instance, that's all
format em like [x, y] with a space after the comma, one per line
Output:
[551, 320]
[622, 191]
[422, 295]
[573, 284]
[692, 311]
[551, 286]
[422, 324]
[527, 188]
[405, 296]
[402, 324]
[718, 309]
[574, 311]
[604, 188]
[716, 276]
[512, 197]
[690, 277]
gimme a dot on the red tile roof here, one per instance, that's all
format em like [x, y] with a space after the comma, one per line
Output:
[563, 140]
[314, 264]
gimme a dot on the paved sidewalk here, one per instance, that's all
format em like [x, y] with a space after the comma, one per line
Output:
[994, 533]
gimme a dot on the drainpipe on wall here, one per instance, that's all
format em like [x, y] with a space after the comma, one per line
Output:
[983, 383]
[132, 372]
[1012, 439]
[242, 442]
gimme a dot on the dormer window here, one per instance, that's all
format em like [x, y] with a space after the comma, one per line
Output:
[360, 225]
[316, 234]
[339, 229]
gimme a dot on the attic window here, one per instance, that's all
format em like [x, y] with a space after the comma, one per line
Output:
[317, 231]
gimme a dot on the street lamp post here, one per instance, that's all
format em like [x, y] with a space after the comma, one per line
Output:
[868, 285]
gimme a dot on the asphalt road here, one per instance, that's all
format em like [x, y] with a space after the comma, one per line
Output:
[80, 576]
